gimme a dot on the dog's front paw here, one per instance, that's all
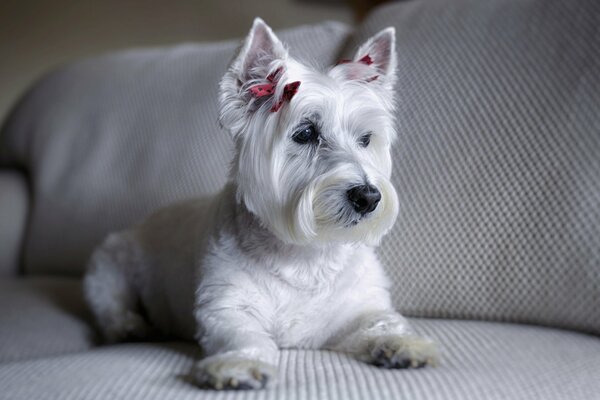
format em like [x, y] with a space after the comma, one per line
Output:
[234, 373]
[402, 352]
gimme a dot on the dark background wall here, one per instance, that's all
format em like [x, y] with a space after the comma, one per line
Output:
[38, 34]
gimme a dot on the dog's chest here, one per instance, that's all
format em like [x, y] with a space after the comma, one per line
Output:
[303, 320]
[306, 316]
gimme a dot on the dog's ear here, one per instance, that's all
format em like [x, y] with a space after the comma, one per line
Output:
[375, 61]
[260, 57]
[258, 53]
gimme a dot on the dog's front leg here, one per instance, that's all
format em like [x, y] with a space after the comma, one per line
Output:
[239, 352]
[385, 339]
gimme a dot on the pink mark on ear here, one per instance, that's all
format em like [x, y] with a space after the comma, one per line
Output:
[289, 91]
[274, 76]
[266, 89]
[366, 60]
[357, 73]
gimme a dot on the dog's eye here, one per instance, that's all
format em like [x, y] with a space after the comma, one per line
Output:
[365, 140]
[306, 134]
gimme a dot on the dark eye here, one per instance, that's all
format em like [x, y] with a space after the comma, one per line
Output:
[306, 134]
[365, 140]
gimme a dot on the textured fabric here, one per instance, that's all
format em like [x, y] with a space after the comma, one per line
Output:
[109, 139]
[14, 202]
[41, 317]
[481, 361]
[497, 165]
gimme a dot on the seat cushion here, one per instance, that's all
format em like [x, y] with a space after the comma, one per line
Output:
[109, 139]
[497, 164]
[481, 361]
[42, 317]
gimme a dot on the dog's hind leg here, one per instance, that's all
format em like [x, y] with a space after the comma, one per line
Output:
[110, 292]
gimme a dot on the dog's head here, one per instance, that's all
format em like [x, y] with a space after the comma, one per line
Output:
[313, 148]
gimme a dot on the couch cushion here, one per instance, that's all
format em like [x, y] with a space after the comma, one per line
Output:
[498, 160]
[14, 204]
[109, 139]
[481, 361]
[41, 317]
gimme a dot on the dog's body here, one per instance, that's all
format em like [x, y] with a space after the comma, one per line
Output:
[304, 298]
[283, 256]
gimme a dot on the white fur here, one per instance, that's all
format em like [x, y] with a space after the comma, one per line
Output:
[279, 258]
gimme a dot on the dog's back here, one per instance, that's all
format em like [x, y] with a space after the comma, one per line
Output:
[140, 282]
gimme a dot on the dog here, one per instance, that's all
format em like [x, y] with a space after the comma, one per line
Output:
[283, 256]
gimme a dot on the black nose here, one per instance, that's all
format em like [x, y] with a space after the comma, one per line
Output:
[364, 198]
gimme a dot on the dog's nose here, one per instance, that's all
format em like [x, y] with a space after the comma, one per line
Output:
[364, 198]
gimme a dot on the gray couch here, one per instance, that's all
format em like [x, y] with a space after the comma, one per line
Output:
[496, 252]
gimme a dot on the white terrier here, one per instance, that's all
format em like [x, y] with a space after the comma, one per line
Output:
[283, 257]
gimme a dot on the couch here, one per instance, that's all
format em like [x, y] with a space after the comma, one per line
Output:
[495, 254]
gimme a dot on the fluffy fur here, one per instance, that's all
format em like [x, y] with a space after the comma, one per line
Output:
[280, 258]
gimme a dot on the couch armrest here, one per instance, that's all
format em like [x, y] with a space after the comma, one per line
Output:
[14, 205]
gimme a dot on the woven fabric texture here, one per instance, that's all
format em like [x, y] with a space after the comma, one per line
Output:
[497, 164]
[41, 317]
[481, 361]
[108, 140]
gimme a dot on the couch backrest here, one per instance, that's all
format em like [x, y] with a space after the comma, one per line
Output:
[498, 159]
[109, 139]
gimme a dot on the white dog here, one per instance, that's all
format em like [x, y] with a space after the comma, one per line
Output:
[283, 257]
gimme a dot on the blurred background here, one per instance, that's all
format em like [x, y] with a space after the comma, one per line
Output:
[36, 35]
